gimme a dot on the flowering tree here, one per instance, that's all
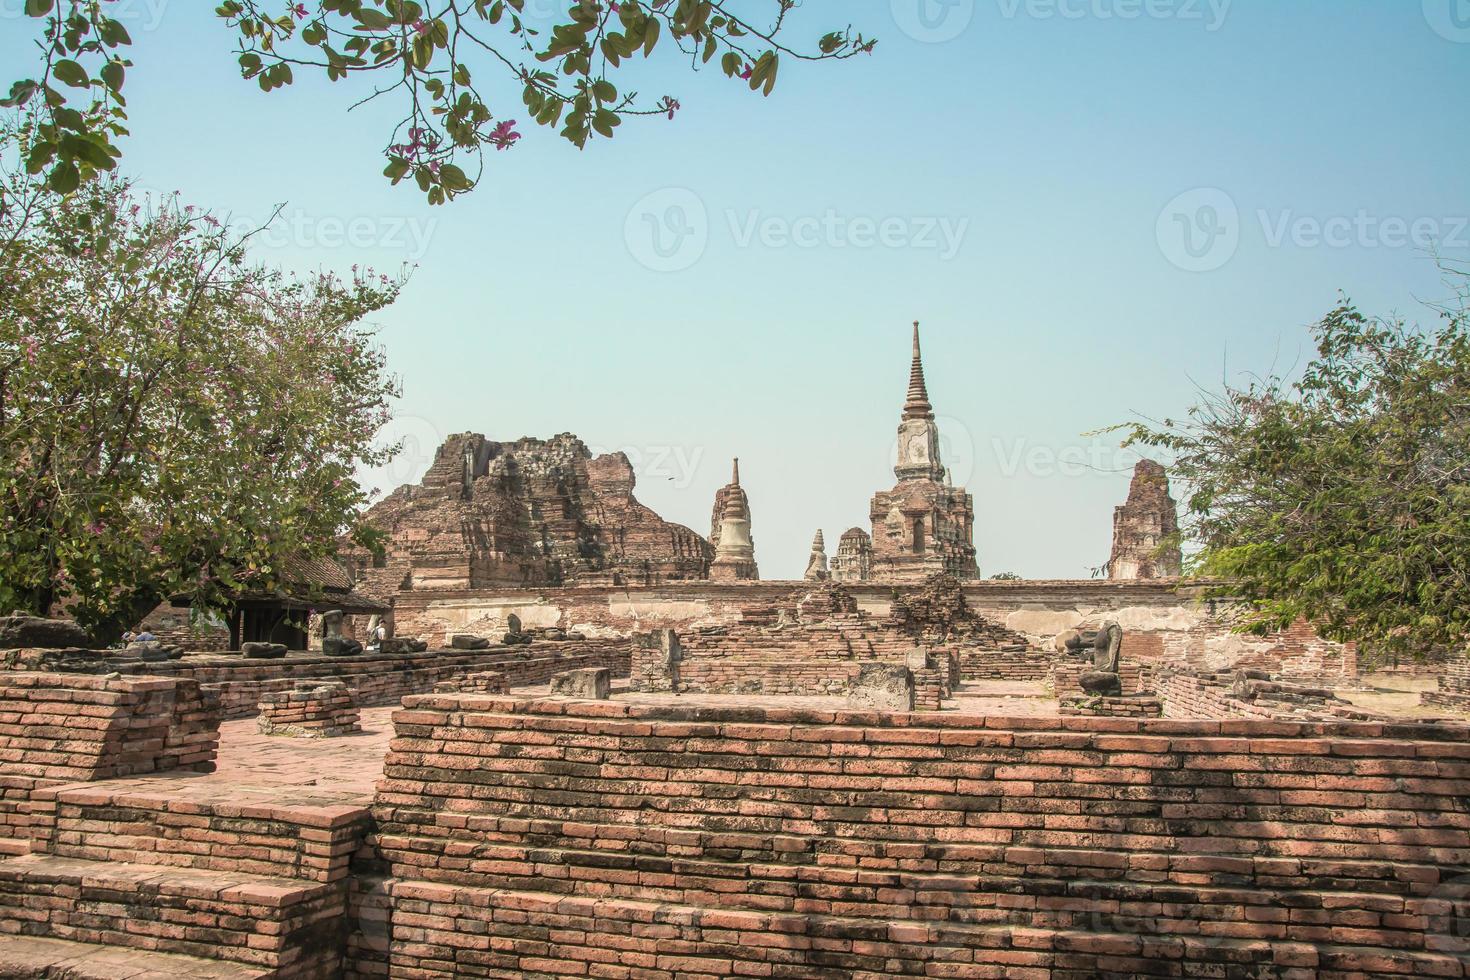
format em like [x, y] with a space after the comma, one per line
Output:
[433, 56]
[172, 420]
[1342, 497]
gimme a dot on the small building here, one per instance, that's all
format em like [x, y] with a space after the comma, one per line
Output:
[281, 615]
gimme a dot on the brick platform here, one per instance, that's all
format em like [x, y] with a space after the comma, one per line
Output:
[313, 710]
[566, 839]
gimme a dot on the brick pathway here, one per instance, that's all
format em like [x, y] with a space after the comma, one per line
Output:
[349, 764]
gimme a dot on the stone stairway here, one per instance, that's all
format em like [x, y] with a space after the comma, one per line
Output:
[221, 880]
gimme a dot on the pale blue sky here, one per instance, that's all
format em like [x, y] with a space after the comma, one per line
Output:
[1050, 140]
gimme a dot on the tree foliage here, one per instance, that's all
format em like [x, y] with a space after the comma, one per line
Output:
[1344, 496]
[434, 57]
[173, 420]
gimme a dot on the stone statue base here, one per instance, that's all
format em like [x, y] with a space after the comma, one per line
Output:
[1102, 683]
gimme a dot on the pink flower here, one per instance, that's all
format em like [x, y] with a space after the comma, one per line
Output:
[299, 11]
[504, 136]
[749, 70]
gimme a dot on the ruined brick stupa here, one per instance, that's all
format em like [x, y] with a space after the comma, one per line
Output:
[1146, 528]
[923, 526]
[529, 512]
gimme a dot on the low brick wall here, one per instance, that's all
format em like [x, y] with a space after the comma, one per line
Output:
[1006, 665]
[564, 839]
[1454, 687]
[74, 728]
[1138, 706]
[485, 682]
[315, 709]
[64, 728]
[1204, 695]
[377, 680]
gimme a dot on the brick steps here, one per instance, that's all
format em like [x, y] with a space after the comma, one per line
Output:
[285, 925]
[36, 958]
[439, 930]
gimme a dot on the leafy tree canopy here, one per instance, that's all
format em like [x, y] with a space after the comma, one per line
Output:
[1342, 497]
[173, 420]
[433, 57]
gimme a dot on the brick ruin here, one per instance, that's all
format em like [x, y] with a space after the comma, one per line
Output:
[530, 512]
[1146, 528]
[1453, 687]
[817, 642]
[638, 761]
[1256, 829]
[312, 709]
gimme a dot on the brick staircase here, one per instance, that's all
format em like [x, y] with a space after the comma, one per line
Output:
[249, 883]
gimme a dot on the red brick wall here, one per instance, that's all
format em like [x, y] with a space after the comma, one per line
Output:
[240, 683]
[62, 728]
[556, 839]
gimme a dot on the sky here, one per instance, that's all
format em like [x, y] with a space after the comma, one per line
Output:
[1095, 208]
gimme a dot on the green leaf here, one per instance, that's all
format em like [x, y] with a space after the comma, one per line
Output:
[71, 73]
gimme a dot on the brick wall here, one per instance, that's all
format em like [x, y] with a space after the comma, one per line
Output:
[1006, 665]
[62, 728]
[241, 683]
[314, 709]
[556, 839]
[1454, 687]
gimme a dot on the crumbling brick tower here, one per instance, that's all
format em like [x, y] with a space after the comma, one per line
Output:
[1146, 528]
[924, 525]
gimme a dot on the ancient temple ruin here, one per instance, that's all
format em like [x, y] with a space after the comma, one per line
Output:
[1146, 528]
[730, 534]
[529, 512]
[924, 525]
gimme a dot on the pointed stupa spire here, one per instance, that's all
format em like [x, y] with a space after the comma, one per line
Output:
[735, 473]
[917, 406]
